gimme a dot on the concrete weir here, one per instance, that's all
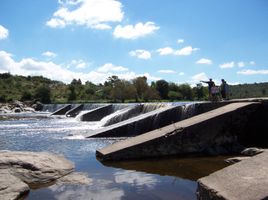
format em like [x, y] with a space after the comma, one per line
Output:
[144, 122]
[247, 180]
[75, 111]
[216, 130]
[62, 110]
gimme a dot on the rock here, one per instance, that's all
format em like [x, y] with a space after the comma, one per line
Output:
[236, 159]
[12, 187]
[16, 110]
[252, 151]
[29, 109]
[35, 169]
[76, 178]
[37, 106]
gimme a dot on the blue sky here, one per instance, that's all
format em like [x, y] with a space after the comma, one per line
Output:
[183, 41]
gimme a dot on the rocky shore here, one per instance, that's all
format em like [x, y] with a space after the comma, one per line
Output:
[18, 107]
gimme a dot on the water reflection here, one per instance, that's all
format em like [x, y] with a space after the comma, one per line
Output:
[191, 168]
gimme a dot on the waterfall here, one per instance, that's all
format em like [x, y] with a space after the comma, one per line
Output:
[125, 113]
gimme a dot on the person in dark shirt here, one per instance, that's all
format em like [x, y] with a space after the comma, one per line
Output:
[210, 85]
[224, 89]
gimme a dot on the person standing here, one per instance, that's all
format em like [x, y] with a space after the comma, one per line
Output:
[224, 89]
[210, 85]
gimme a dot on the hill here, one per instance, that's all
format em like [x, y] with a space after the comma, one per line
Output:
[14, 87]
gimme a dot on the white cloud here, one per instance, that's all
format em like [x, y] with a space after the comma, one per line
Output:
[49, 54]
[140, 53]
[135, 31]
[241, 64]
[186, 51]
[29, 66]
[252, 63]
[227, 65]
[199, 77]
[166, 71]
[181, 73]
[165, 51]
[109, 67]
[3, 33]
[95, 14]
[56, 23]
[180, 41]
[78, 64]
[253, 72]
[204, 61]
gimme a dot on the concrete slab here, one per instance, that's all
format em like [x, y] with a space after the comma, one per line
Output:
[247, 180]
[193, 135]
[62, 110]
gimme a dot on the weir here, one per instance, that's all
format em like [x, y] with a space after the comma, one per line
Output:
[143, 122]
[63, 110]
[212, 132]
[75, 111]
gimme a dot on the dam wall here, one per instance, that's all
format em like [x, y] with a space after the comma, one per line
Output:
[213, 132]
[145, 122]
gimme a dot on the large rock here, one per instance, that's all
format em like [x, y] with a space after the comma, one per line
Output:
[247, 180]
[35, 169]
[12, 187]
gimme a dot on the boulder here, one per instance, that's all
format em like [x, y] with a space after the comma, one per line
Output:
[35, 169]
[12, 187]
[37, 106]
[235, 159]
[252, 151]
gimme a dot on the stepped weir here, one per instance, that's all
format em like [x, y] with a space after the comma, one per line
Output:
[170, 129]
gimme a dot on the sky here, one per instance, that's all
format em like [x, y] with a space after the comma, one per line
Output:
[180, 41]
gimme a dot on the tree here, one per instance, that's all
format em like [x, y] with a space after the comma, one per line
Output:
[123, 90]
[186, 91]
[162, 88]
[140, 83]
[173, 95]
[200, 92]
[43, 93]
[26, 95]
[72, 94]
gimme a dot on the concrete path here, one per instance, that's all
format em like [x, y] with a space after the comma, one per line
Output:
[247, 180]
[188, 136]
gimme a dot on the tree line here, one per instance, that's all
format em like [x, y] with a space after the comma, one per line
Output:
[114, 89]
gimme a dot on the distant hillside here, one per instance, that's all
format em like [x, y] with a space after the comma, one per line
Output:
[13, 87]
[249, 90]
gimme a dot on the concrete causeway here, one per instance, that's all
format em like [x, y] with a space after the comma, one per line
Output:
[197, 134]
[247, 180]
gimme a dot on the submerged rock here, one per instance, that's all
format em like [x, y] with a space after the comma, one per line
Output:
[76, 178]
[35, 169]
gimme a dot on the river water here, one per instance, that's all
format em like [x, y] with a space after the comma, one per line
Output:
[170, 178]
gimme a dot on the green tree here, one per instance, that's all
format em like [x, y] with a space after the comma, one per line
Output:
[72, 94]
[173, 95]
[142, 87]
[43, 93]
[162, 88]
[186, 91]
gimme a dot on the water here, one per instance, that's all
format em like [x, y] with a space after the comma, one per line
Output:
[172, 178]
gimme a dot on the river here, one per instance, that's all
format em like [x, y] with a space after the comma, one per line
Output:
[170, 178]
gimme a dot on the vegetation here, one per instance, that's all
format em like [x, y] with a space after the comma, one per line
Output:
[114, 89]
